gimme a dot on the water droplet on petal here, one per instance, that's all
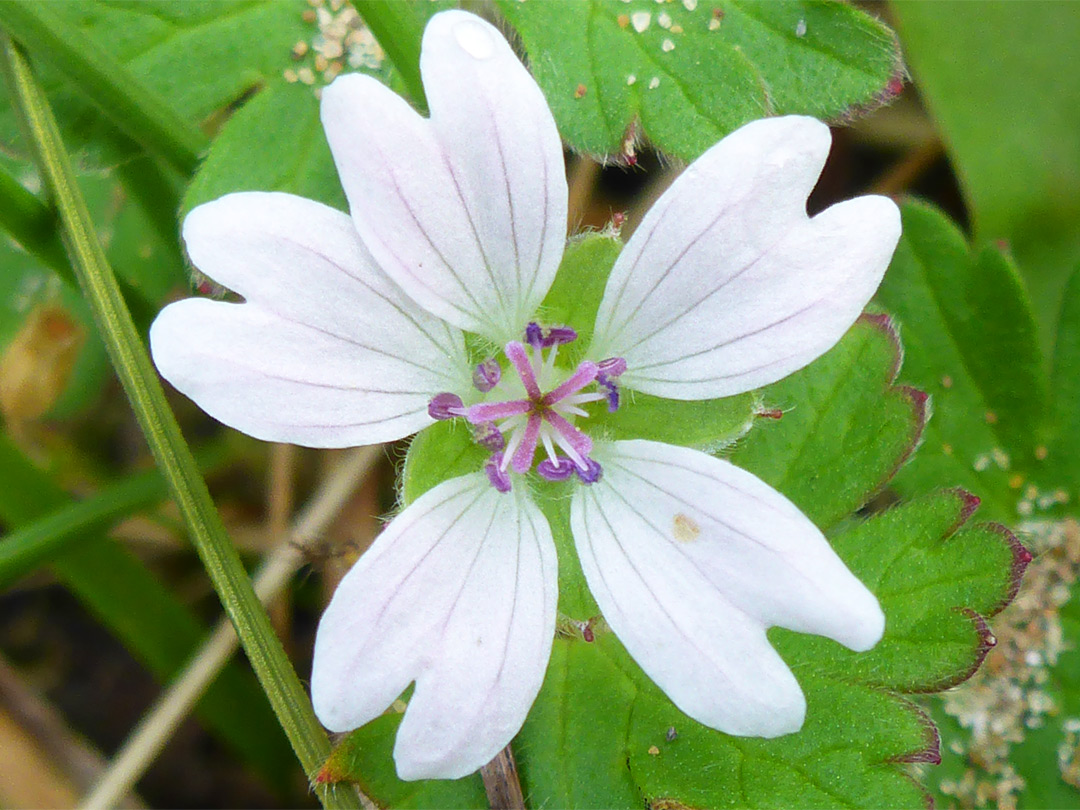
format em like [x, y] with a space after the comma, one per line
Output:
[474, 39]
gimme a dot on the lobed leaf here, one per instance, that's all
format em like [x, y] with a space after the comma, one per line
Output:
[840, 428]
[600, 734]
[689, 73]
[971, 342]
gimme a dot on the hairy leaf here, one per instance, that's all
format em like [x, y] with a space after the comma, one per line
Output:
[689, 73]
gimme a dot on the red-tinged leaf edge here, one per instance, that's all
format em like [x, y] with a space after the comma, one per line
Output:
[930, 752]
[1021, 557]
[921, 405]
[884, 322]
[891, 90]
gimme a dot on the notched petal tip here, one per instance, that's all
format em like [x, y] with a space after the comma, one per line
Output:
[868, 625]
[472, 35]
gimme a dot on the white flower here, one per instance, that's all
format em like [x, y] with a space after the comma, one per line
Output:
[352, 333]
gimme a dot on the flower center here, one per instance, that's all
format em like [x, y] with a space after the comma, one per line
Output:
[536, 408]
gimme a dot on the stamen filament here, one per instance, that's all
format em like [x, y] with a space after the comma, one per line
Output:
[511, 448]
[563, 408]
[549, 445]
[578, 399]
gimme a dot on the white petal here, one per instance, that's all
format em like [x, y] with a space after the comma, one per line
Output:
[458, 594]
[326, 352]
[727, 285]
[467, 210]
[690, 560]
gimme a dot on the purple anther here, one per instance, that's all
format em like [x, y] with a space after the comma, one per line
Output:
[592, 472]
[498, 477]
[545, 337]
[607, 371]
[612, 367]
[612, 391]
[489, 437]
[534, 335]
[487, 375]
[445, 406]
[548, 470]
[559, 336]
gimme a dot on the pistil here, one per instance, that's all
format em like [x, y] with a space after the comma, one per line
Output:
[513, 429]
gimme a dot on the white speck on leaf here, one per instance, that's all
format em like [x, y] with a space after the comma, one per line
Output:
[800, 28]
[667, 46]
[654, 82]
[640, 20]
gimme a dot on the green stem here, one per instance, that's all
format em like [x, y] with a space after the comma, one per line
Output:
[133, 366]
[136, 109]
[36, 543]
[398, 29]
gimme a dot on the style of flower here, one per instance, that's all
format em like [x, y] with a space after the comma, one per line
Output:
[352, 332]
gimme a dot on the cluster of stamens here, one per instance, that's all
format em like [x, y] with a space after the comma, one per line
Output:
[534, 410]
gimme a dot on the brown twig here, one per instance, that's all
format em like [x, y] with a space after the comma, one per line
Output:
[902, 175]
[69, 754]
[584, 172]
[279, 508]
[157, 726]
[501, 782]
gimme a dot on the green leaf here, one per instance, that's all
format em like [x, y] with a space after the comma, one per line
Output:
[1028, 690]
[572, 751]
[275, 142]
[1010, 124]
[200, 55]
[1064, 448]
[32, 545]
[845, 427]
[931, 577]
[690, 73]
[600, 734]
[971, 343]
[135, 109]
[151, 623]
[140, 382]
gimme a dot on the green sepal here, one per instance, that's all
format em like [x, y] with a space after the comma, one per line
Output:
[365, 757]
[441, 452]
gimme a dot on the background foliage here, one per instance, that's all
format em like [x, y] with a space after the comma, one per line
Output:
[962, 388]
